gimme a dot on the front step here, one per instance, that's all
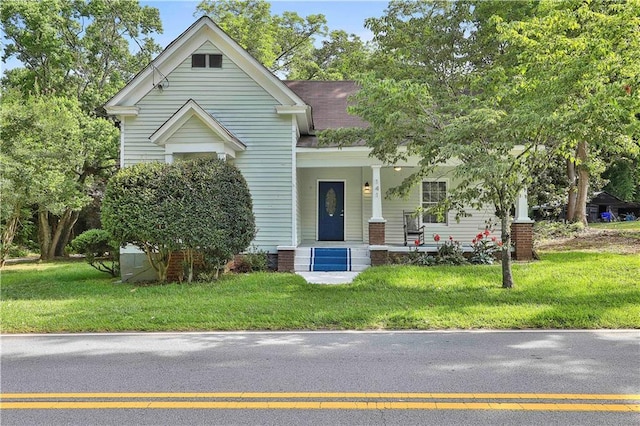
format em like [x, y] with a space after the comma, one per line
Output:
[327, 259]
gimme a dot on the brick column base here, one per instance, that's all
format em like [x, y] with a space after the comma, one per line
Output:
[522, 236]
[379, 257]
[286, 259]
[377, 233]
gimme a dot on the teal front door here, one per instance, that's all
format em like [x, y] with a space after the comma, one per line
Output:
[331, 211]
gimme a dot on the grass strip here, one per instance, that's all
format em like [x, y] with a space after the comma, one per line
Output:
[564, 290]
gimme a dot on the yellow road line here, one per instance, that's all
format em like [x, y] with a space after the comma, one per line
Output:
[318, 405]
[300, 395]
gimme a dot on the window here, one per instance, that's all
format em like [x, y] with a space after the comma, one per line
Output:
[432, 193]
[215, 61]
[199, 60]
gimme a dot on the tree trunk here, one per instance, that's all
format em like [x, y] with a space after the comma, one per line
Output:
[8, 233]
[507, 276]
[44, 234]
[50, 235]
[188, 259]
[159, 260]
[583, 184]
[572, 194]
[67, 229]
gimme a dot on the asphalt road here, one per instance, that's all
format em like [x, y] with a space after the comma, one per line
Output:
[322, 378]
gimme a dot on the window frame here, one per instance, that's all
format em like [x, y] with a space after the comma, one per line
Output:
[424, 204]
[206, 60]
[199, 56]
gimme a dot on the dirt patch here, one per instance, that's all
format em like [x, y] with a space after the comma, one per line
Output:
[600, 240]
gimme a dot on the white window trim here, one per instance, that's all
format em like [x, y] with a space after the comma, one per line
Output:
[448, 186]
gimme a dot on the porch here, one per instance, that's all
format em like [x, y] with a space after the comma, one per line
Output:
[341, 202]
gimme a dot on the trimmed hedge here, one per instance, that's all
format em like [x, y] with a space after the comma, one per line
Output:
[200, 205]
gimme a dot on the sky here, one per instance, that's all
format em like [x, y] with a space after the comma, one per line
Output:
[177, 16]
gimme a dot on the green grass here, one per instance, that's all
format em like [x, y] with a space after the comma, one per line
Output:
[563, 290]
[635, 224]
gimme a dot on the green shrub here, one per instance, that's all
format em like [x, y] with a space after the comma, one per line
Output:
[544, 230]
[450, 253]
[197, 206]
[254, 260]
[99, 249]
[484, 248]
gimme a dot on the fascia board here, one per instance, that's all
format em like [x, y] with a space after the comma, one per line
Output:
[129, 111]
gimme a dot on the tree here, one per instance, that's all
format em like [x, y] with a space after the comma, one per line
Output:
[436, 94]
[276, 41]
[578, 69]
[200, 206]
[340, 57]
[491, 162]
[623, 178]
[45, 145]
[79, 51]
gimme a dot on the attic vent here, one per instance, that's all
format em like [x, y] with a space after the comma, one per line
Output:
[199, 60]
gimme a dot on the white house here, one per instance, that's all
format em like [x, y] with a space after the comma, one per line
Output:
[205, 95]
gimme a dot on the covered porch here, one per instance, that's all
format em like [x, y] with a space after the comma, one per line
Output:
[344, 191]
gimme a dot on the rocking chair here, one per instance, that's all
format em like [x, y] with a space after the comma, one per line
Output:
[413, 231]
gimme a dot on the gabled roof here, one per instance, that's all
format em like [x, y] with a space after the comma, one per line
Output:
[192, 109]
[203, 30]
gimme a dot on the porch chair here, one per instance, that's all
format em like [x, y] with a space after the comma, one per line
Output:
[413, 231]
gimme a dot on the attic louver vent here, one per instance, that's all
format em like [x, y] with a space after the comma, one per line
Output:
[199, 60]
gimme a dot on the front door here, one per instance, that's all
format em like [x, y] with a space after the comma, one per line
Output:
[331, 211]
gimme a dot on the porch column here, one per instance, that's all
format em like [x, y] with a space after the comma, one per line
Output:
[376, 200]
[522, 229]
[168, 158]
[522, 207]
[222, 156]
[377, 224]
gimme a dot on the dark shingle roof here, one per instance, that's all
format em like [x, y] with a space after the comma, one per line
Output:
[328, 101]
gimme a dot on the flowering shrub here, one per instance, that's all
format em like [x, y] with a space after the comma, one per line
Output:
[449, 253]
[484, 246]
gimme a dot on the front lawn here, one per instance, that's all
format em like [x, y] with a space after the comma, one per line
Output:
[625, 224]
[563, 290]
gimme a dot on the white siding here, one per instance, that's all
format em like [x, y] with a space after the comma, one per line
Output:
[247, 110]
[299, 222]
[358, 205]
[463, 231]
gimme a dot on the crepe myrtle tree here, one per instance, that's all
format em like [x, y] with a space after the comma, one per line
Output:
[197, 206]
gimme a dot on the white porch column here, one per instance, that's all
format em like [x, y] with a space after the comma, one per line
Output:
[522, 208]
[222, 156]
[376, 200]
[168, 158]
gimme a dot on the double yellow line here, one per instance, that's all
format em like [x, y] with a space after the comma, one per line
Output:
[324, 401]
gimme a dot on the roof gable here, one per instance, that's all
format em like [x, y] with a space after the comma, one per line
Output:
[187, 111]
[203, 30]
